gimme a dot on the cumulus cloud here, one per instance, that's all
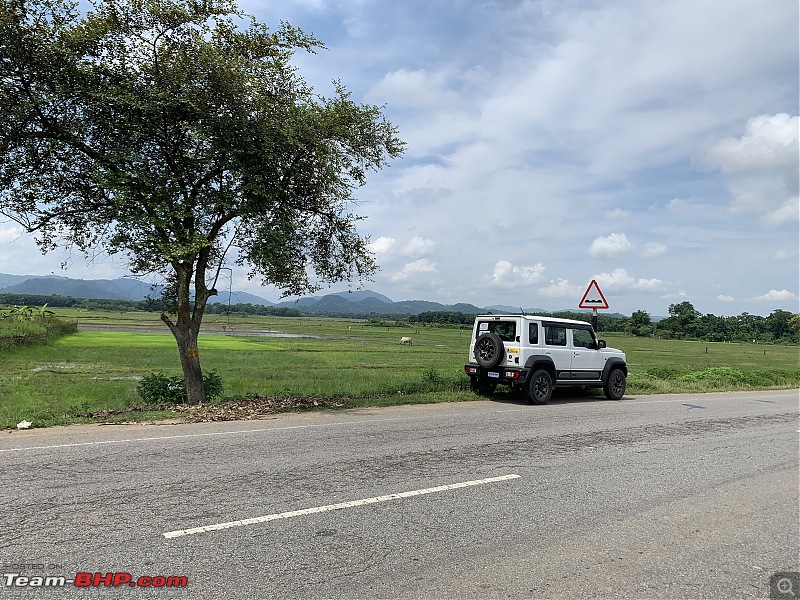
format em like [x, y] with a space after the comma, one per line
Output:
[652, 249]
[647, 284]
[678, 294]
[562, 289]
[414, 89]
[382, 245]
[422, 265]
[777, 295]
[611, 246]
[10, 233]
[620, 280]
[506, 274]
[619, 214]
[418, 247]
[762, 164]
[724, 298]
[769, 141]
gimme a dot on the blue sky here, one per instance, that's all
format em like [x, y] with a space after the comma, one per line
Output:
[650, 146]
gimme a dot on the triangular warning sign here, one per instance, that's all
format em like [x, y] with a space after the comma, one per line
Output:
[593, 298]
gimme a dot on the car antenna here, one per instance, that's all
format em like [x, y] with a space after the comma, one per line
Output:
[522, 310]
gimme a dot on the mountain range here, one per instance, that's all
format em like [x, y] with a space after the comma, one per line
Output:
[353, 302]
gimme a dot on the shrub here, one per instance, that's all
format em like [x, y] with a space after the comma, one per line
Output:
[158, 388]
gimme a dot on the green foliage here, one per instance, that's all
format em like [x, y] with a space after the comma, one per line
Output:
[27, 325]
[26, 313]
[443, 317]
[157, 388]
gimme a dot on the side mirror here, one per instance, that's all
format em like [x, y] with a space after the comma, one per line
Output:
[601, 344]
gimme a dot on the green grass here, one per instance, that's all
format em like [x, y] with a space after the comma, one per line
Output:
[351, 360]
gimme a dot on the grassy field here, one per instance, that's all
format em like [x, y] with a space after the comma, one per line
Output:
[355, 362]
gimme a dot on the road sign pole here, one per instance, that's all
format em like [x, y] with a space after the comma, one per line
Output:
[594, 319]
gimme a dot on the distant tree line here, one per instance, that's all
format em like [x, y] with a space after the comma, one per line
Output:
[683, 322]
[442, 317]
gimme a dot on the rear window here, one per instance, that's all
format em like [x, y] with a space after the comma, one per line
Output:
[533, 333]
[507, 330]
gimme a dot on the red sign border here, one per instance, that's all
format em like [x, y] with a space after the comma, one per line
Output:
[589, 289]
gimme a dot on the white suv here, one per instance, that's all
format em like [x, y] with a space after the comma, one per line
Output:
[538, 354]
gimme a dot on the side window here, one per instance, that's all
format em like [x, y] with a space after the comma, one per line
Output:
[582, 338]
[533, 333]
[507, 330]
[555, 336]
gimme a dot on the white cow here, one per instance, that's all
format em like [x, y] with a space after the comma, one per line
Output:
[406, 341]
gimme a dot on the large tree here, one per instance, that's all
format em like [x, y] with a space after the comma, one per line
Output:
[178, 134]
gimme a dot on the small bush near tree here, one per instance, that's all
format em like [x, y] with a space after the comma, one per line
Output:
[158, 388]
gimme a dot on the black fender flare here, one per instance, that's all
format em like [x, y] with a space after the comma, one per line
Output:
[611, 364]
[540, 361]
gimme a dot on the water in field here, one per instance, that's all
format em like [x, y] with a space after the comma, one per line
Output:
[214, 329]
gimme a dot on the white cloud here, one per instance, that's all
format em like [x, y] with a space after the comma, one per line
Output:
[382, 245]
[724, 298]
[562, 289]
[673, 295]
[422, 265]
[10, 233]
[769, 141]
[652, 249]
[788, 212]
[679, 205]
[611, 246]
[619, 280]
[619, 214]
[648, 284]
[420, 88]
[418, 247]
[762, 165]
[506, 274]
[777, 295]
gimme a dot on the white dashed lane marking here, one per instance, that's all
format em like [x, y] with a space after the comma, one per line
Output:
[340, 506]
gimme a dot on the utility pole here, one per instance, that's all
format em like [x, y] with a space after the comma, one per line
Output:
[230, 288]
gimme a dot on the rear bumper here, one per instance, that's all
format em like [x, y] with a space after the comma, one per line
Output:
[508, 375]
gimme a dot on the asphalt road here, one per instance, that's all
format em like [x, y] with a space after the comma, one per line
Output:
[680, 496]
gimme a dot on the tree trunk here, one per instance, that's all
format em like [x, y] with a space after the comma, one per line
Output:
[186, 336]
[185, 329]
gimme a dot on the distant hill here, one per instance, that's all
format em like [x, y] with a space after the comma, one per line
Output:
[6, 280]
[356, 302]
[75, 288]
[502, 308]
[238, 298]
[124, 288]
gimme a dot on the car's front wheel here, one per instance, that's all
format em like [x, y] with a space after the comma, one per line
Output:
[540, 387]
[614, 388]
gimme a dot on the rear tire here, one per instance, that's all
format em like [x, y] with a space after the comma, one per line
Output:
[540, 387]
[614, 388]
